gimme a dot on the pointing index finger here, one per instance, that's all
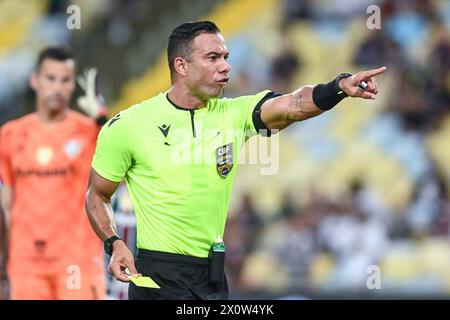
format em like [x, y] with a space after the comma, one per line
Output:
[373, 72]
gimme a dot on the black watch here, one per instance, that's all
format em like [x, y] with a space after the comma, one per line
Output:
[336, 83]
[108, 244]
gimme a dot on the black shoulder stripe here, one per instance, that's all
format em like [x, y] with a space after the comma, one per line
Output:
[256, 116]
[114, 119]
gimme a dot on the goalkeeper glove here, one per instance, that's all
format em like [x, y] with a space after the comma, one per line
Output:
[90, 103]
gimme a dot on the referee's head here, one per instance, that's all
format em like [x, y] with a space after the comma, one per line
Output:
[197, 56]
[181, 38]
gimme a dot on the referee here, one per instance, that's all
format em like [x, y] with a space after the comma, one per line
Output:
[181, 203]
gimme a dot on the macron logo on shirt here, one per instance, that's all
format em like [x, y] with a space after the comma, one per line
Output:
[164, 129]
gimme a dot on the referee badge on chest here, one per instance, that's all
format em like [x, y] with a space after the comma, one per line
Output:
[224, 159]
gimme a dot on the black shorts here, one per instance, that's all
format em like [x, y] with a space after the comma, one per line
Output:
[180, 277]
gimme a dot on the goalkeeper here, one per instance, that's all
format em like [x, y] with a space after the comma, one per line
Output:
[44, 163]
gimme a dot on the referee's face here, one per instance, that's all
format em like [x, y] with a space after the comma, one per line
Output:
[207, 69]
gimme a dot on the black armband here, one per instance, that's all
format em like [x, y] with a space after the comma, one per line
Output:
[326, 96]
[256, 116]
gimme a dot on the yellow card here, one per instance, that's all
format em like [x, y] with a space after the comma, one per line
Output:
[145, 282]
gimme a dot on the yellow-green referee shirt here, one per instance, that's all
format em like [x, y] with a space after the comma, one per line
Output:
[178, 167]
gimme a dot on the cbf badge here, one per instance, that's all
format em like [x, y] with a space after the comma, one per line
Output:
[224, 159]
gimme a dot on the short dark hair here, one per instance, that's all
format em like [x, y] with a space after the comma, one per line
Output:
[54, 53]
[181, 37]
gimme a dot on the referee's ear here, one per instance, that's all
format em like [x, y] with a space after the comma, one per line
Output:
[180, 66]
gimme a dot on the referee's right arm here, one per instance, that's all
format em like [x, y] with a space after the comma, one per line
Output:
[101, 216]
[310, 101]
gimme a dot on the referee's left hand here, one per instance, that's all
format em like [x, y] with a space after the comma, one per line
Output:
[350, 85]
[121, 260]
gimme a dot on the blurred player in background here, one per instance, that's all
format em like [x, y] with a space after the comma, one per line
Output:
[44, 163]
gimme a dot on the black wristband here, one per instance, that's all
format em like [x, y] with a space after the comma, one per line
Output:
[326, 96]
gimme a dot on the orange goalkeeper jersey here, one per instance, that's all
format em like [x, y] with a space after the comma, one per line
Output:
[47, 166]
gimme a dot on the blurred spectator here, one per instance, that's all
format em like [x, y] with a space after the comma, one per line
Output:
[355, 241]
[439, 57]
[57, 6]
[284, 66]
[437, 85]
[298, 248]
[293, 10]
[288, 207]
[376, 50]
[235, 240]
[427, 204]
[250, 220]
[243, 230]
[442, 221]
[408, 25]
[408, 100]
[368, 205]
